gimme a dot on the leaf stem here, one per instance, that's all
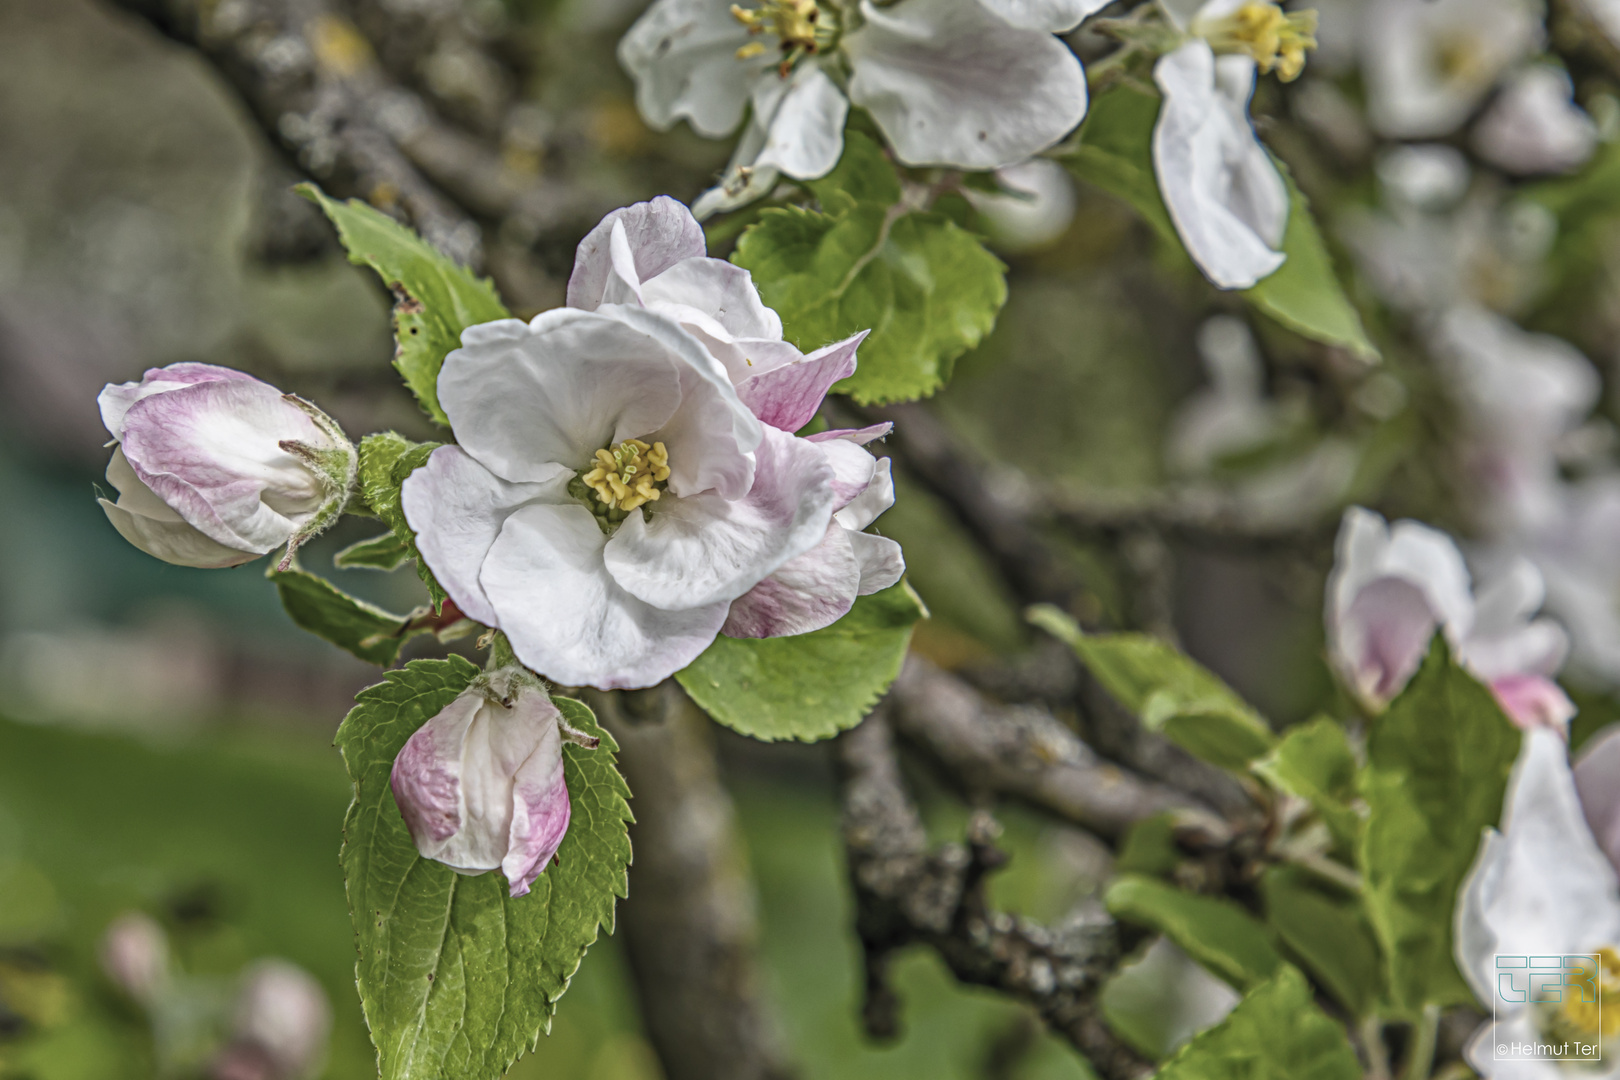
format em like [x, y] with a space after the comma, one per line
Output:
[1372, 1044]
[1420, 1062]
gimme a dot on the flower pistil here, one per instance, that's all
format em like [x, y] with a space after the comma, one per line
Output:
[1276, 39]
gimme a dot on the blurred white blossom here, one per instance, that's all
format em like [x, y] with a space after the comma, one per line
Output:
[1534, 125]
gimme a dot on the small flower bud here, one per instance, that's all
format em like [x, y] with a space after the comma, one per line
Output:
[215, 468]
[281, 1026]
[481, 784]
[135, 956]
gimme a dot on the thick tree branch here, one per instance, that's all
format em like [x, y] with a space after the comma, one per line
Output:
[905, 894]
[689, 924]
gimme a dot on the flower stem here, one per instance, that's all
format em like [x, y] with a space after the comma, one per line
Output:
[1420, 1061]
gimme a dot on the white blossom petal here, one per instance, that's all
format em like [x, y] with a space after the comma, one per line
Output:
[661, 233]
[882, 563]
[1597, 779]
[876, 497]
[568, 619]
[1534, 126]
[456, 508]
[806, 593]
[705, 549]
[682, 55]
[1220, 187]
[718, 290]
[1050, 16]
[951, 84]
[116, 399]
[802, 117]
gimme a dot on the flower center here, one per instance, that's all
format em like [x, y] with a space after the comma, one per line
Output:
[1589, 1011]
[802, 28]
[1277, 40]
[1461, 57]
[626, 476]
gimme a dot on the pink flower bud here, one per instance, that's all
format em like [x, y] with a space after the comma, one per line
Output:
[215, 468]
[281, 1026]
[481, 784]
[135, 956]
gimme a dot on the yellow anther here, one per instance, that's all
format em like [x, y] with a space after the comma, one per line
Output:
[1261, 29]
[1582, 1018]
[629, 475]
[797, 25]
[751, 50]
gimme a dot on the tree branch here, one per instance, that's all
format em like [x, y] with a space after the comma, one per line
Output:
[905, 894]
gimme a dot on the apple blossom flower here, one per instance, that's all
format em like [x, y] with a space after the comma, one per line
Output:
[1392, 587]
[1427, 176]
[1427, 64]
[135, 956]
[280, 1028]
[1544, 885]
[972, 84]
[652, 254]
[215, 468]
[1222, 190]
[1534, 126]
[481, 785]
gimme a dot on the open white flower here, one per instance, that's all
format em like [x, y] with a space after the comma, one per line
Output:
[1534, 125]
[1545, 886]
[215, 468]
[972, 84]
[1427, 64]
[652, 255]
[1222, 190]
[1392, 588]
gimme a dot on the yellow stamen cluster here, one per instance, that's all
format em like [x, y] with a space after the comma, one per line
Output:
[1277, 40]
[795, 23]
[629, 475]
[1582, 1015]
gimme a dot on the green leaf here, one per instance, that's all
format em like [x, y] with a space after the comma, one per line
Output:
[1116, 153]
[927, 289]
[1217, 933]
[316, 605]
[1437, 771]
[809, 686]
[435, 299]
[1149, 847]
[1171, 693]
[457, 978]
[1328, 932]
[386, 459]
[1304, 294]
[1314, 761]
[1275, 1033]
[385, 552]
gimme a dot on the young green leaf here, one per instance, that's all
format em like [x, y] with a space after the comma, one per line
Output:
[809, 686]
[1275, 1033]
[1437, 771]
[1217, 933]
[927, 289]
[456, 977]
[385, 552]
[1115, 153]
[316, 605]
[1314, 761]
[1304, 294]
[386, 459]
[1328, 931]
[435, 299]
[1170, 692]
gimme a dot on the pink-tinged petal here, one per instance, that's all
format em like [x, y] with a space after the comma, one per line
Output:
[148, 522]
[882, 563]
[659, 233]
[712, 435]
[704, 549]
[282, 1014]
[724, 292]
[1052, 16]
[1385, 633]
[116, 399]
[1597, 778]
[535, 406]
[861, 436]
[212, 452]
[805, 593]
[426, 778]
[877, 497]
[1534, 701]
[788, 396]
[540, 812]
[569, 620]
[456, 508]
[853, 470]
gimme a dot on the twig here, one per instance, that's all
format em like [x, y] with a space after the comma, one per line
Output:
[905, 894]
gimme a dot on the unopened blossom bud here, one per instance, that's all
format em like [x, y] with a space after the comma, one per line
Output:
[215, 468]
[135, 956]
[481, 784]
[280, 1028]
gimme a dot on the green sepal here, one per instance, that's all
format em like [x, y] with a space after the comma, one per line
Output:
[386, 459]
